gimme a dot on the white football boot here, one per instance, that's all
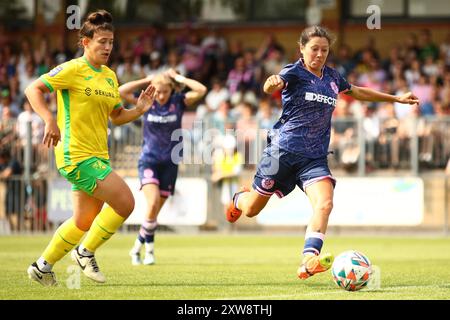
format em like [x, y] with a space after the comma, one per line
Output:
[89, 266]
[47, 279]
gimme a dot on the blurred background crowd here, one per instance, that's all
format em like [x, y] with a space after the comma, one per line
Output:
[367, 138]
[234, 75]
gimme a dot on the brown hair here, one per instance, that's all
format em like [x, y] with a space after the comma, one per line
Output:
[98, 20]
[315, 31]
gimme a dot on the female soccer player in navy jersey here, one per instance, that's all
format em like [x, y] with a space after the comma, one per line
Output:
[157, 170]
[297, 148]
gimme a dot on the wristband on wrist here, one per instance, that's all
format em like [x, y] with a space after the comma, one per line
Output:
[179, 78]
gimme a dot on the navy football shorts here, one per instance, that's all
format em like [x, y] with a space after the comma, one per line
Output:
[162, 174]
[279, 171]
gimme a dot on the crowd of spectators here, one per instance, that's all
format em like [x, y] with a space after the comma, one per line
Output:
[234, 75]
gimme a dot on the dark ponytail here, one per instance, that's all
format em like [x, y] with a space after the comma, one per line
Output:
[98, 20]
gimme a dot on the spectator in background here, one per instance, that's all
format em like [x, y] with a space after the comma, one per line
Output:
[235, 51]
[371, 127]
[227, 166]
[39, 155]
[427, 46]
[25, 79]
[6, 102]
[445, 50]
[8, 133]
[25, 56]
[129, 69]
[274, 62]
[401, 110]
[62, 53]
[269, 44]
[430, 67]
[10, 169]
[247, 133]
[155, 65]
[222, 116]
[410, 50]
[42, 51]
[193, 57]
[424, 91]
[216, 95]
[213, 44]
[239, 76]
[344, 62]
[174, 62]
[412, 74]
[266, 114]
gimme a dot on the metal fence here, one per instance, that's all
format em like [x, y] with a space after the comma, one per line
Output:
[415, 147]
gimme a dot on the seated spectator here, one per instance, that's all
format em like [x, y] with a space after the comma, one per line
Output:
[6, 102]
[216, 95]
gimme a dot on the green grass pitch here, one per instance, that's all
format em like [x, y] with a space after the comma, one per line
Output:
[220, 266]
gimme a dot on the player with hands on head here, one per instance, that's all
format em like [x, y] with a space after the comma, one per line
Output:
[159, 159]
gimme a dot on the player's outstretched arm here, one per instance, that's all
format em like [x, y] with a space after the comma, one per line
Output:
[126, 90]
[144, 102]
[273, 83]
[198, 90]
[367, 94]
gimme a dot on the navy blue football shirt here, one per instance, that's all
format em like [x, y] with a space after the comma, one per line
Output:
[160, 121]
[308, 103]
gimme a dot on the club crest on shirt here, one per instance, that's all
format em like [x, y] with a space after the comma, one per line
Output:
[334, 87]
[268, 183]
[55, 71]
[110, 82]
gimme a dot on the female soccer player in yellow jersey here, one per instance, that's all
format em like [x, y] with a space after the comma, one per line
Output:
[87, 93]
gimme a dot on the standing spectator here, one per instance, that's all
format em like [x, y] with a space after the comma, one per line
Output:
[227, 166]
[10, 169]
[37, 132]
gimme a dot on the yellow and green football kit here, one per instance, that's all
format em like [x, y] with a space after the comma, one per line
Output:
[85, 97]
